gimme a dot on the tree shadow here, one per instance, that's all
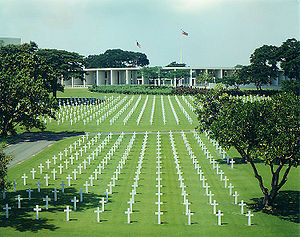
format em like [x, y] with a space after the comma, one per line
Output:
[23, 219]
[286, 206]
[238, 161]
[45, 135]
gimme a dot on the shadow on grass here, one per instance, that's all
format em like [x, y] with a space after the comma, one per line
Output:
[46, 136]
[286, 206]
[23, 219]
[238, 161]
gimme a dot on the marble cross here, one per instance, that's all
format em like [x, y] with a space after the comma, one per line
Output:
[6, 208]
[48, 162]
[189, 214]
[128, 212]
[15, 185]
[232, 162]
[33, 172]
[60, 168]
[98, 214]
[19, 200]
[54, 158]
[47, 201]
[47, 178]
[219, 214]
[158, 213]
[69, 179]
[235, 197]
[62, 186]
[68, 210]
[74, 173]
[80, 195]
[86, 186]
[102, 201]
[249, 215]
[74, 200]
[53, 173]
[242, 204]
[41, 168]
[37, 209]
[29, 190]
[39, 185]
[24, 177]
[55, 194]
[214, 204]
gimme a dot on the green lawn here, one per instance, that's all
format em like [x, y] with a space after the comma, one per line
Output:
[83, 221]
[21, 222]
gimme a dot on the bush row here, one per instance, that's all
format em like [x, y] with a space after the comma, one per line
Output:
[166, 90]
[133, 89]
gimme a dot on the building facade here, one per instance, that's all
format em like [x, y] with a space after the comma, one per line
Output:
[130, 76]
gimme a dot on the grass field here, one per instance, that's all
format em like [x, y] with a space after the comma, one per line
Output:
[21, 222]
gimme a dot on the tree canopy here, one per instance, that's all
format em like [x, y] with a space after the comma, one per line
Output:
[24, 96]
[117, 58]
[266, 130]
[65, 65]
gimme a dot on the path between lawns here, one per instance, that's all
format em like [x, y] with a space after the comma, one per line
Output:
[30, 144]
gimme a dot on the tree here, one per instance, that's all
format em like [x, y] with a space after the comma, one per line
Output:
[117, 58]
[24, 96]
[263, 66]
[65, 66]
[4, 160]
[264, 130]
[289, 57]
[205, 78]
[151, 72]
[235, 79]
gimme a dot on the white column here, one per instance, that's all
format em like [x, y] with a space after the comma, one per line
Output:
[97, 77]
[84, 80]
[111, 77]
[127, 81]
[191, 77]
[221, 73]
[143, 80]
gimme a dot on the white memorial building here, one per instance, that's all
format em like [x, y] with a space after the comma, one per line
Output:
[127, 76]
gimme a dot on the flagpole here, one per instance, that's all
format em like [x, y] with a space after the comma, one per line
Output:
[181, 55]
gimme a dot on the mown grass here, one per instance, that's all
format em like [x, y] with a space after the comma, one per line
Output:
[83, 221]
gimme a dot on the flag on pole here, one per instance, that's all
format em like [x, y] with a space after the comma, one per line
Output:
[138, 44]
[184, 33]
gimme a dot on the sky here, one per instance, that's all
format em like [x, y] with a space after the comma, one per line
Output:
[222, 33]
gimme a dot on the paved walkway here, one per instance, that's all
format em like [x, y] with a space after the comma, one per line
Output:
[30, 144]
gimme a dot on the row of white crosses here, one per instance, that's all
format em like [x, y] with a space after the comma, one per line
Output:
[125, 120]
[152, 111]
[83, 112]
[142, 111]
[183, 110]
[163, 109]
[220, 172]
[121, 164]
[173, 110]
[135, 185]
[184, 193]
[120, 112]
[107, 113]
[111, 110]
[220, 150]
[188, 103]
[251, 98]
[202, 178]
[55, 191]
[158, 172]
